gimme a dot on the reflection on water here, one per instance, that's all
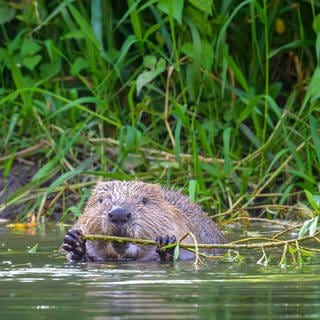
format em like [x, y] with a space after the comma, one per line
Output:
[42, 286]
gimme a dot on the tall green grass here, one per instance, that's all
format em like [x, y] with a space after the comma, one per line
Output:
[218, 98]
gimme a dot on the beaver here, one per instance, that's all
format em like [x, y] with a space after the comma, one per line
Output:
[137, 210]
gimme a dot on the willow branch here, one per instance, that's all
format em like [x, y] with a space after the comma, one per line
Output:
[232, 245]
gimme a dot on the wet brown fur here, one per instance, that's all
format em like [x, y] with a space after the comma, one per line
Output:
[155, 211]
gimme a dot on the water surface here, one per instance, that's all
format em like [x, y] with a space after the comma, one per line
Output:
[44, 286]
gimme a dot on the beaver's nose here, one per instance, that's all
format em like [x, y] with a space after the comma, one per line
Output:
[119, 215]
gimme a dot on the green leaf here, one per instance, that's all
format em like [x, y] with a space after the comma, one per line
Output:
[246, 111]
[318, 47]
[211, 169]
[309, 226]
[7, 168]
[177, 134]
[273, 105]
[187, 49]
[97, 22]
[206, 53]
[314, 200]
[226, 149]
[12, 126]
[135, 18]
[313, 226]
[66, 176]
[147, 76]
[173, 8]
[31, 62]
[199, 19]
[305, 253]
[6, 13]
[192, 189]
[234, 256]
[75, 210]
[203, 5]
[77, 34]
[236, 70]
[292, 250]
[34, 249]
[316, 24]
[150, 61]
[45, 170]
[286, 47]
[79, 65]
[127, 44]
[176, 253]
[48, 70]
[250, 135]
[131, 138]
[313, 92]
[83, 25]
[314, 126]
[29, 47]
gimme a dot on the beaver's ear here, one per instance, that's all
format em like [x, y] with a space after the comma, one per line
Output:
[156, 189]
[148, 190]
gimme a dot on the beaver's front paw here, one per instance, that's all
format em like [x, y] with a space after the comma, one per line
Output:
[165, 254]
[74, 245]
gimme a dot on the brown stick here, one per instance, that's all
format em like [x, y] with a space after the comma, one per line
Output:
[24, 152]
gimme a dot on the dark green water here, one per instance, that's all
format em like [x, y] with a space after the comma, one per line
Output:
[42, 286]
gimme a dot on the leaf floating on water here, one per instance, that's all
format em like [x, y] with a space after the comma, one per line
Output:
[24, 225]
[34, 249]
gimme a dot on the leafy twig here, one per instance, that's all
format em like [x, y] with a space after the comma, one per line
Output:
[268, 243]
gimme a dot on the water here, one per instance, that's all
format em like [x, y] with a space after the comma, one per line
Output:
[44, 286]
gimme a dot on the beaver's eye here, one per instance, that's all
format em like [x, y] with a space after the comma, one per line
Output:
[144, 200]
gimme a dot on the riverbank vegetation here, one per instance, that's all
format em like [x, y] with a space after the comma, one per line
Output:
[219, 99]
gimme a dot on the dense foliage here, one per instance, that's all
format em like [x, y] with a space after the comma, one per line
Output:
[220, 97]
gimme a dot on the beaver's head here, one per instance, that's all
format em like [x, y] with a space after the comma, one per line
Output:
[132, 209]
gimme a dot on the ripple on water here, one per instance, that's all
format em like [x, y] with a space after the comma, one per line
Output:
[43, 287]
